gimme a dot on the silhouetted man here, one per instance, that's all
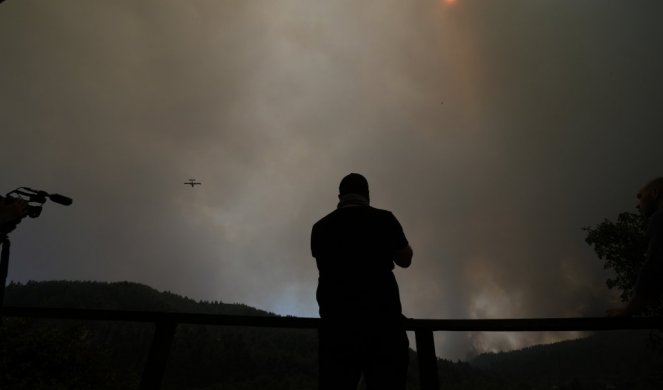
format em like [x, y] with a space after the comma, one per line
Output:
[649, 286]
[356, 247]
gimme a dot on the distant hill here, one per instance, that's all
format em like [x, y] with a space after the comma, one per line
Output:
[54, 354]
[66, 354]
[114, 296]
[606, 360]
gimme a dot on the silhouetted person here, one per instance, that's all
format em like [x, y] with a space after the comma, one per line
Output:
[649, 286]
[356, 247]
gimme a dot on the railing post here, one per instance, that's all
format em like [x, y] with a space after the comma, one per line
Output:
[427, 359]
[158, 356]
[4, 266]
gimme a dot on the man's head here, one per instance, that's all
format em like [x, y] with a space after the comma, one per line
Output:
[650, 197]
[353, 183]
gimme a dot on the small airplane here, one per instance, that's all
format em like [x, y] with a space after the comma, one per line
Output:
[193, 182]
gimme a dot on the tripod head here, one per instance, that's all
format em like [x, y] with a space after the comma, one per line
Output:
[16, 205]
[22, 202]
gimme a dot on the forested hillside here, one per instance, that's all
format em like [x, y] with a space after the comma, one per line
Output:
[111, 355]
[607, 360]
[67, 354]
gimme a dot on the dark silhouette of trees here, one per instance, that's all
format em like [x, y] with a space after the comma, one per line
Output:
[621, 245]
[73, 354]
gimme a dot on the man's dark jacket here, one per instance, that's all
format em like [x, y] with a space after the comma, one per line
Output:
[354, 248]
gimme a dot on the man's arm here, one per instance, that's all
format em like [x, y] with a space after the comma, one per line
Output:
[404, 257]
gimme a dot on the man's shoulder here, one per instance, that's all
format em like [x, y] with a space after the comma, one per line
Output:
[361, 212]
[381, 214]
[325, 218]
[381, 211]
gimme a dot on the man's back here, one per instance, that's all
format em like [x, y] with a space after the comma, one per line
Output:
[354, 248]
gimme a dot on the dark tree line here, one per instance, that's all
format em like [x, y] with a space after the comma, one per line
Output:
[65, 354]
[68, 354]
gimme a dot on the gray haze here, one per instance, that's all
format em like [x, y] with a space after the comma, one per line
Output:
[494, 130]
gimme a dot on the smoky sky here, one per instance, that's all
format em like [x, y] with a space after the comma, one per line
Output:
[493, 130]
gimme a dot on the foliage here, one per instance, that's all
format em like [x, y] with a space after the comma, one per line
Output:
[622, 246]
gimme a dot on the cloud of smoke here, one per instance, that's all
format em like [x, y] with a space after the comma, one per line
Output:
[492, 132]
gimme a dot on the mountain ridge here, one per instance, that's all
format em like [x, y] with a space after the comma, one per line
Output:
[39, 353]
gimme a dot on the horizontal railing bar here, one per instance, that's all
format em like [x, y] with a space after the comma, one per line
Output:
[452, 325]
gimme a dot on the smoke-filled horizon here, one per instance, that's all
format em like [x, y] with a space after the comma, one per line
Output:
[494, 131]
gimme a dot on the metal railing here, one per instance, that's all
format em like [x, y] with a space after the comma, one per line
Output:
[166, 324]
